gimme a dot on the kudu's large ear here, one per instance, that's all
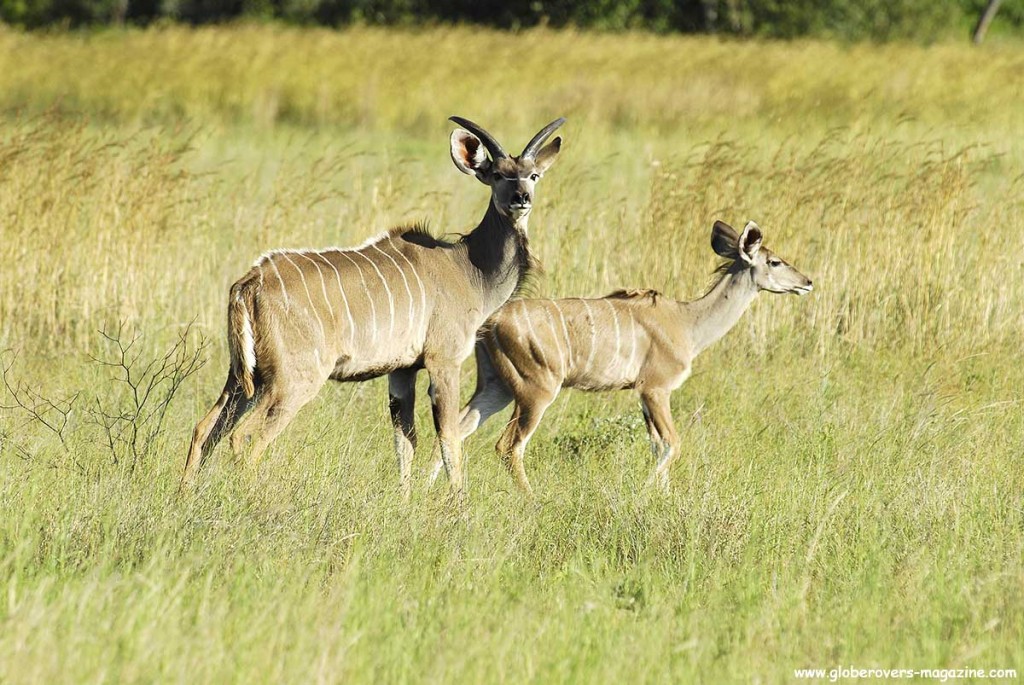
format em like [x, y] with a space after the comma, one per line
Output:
[750, 242]
[469, 154]
[724, 239]
[547, 155]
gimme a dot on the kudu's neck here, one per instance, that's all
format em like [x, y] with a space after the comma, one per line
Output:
[498, 254]
[714, 314]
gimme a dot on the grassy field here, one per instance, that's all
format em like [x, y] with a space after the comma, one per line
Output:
[851, 490]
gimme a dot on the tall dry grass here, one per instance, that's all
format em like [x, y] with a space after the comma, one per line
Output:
[907, 249]
[410, 80]
[850, 488]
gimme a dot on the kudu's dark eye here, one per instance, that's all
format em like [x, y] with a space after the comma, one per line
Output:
[534, 177]
[496, 175]
[774, 262]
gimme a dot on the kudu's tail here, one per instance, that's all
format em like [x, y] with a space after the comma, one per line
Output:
[241, 339]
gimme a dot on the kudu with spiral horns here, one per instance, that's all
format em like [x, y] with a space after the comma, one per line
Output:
[401, 302]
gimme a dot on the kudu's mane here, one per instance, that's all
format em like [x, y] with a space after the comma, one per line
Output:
[636, 294]
[525, 264]
[720, 269]
[418, 234]
[717, 274]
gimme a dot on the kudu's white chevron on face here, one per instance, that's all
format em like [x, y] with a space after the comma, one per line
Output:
[399, 302]
[664, 337]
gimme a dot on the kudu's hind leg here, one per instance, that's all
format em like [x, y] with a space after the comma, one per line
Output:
[252, 423]
[273, 412]
[212, 427]
[656, 443]
[657, 405]
[490, 397]
[512, 444]
[402, 396]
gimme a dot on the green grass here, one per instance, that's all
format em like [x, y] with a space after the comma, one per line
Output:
[850, 491]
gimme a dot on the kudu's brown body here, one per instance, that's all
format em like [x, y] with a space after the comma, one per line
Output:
[530, 349]
[399, 303]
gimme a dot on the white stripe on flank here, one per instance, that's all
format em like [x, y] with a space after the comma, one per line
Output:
[632, 349]
[517, 326]
[533, 334]
[565, 330]
[423, 291]
[391, 300]
[323, 332]
[593, 334]
[284, 290]
[618, 334]
[554, 337]
[408, 290]
[373, 307]
[344, 298]
[495, 338]
[323, 286]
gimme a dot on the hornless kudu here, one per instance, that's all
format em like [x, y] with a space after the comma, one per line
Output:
[401, 302]
[530, 349]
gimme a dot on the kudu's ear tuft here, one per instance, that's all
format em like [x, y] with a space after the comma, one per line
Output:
[750, 242]
[547, 155]
[469, 154]
[724, 239]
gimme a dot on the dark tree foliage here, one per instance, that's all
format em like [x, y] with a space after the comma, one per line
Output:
[844, 19]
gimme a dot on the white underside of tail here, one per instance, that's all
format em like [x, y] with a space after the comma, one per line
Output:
[248, 344]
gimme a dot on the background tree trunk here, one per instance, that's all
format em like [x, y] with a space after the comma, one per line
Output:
[987, 15]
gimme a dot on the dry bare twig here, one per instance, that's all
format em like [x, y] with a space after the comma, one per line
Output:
[132, 422]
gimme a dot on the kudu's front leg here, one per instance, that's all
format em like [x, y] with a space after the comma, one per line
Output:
[402, 402]
[444, 378]
[490, 397]
[658, 411]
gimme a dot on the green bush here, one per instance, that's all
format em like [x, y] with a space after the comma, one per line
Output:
[879, 20]
[37, 13]
[847, 19]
